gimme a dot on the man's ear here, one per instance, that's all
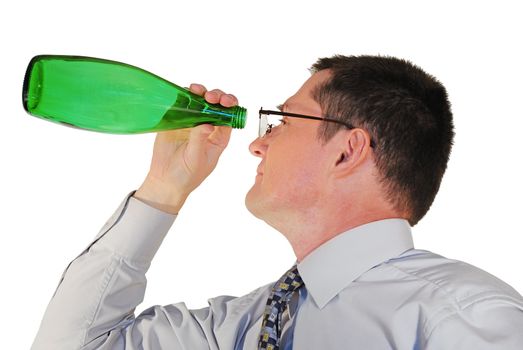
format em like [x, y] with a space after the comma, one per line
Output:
[354, 146]
[343, 157]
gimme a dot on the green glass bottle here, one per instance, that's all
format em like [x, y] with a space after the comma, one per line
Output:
[114, 97]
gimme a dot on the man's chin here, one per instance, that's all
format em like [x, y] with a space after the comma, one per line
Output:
[252, 203]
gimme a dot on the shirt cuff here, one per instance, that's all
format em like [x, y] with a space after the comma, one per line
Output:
[136, 230]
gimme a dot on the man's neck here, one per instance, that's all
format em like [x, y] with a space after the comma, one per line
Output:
[307, 232]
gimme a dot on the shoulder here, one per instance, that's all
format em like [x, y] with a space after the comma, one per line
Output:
[457, 295]
[454, 279]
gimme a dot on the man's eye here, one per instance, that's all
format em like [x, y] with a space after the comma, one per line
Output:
[282, 121]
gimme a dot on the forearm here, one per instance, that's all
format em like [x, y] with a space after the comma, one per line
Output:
[102, 287]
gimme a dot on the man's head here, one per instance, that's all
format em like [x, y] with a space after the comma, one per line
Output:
[308, 165]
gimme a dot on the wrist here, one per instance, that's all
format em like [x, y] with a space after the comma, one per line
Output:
[160, 196]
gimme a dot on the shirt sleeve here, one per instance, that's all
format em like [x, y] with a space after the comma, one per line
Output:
[494, 322]
[93, 306]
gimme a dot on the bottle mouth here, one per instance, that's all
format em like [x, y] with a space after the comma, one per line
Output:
[239, 119]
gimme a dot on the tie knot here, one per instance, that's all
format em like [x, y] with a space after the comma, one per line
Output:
[289, 282]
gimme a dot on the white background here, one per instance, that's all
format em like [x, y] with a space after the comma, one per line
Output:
[59, 185]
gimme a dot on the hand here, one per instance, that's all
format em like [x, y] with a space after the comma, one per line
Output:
[179, 165]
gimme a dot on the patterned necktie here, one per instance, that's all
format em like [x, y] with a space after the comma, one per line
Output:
[280, 295]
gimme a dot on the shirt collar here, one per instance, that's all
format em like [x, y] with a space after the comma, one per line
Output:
[336, 263]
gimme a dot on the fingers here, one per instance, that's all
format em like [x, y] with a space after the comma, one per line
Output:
[214, 96]
[218, 96]
[198, 89]
[228, 100]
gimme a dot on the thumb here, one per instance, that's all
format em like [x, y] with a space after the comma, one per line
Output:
[198, 139]
[200, 133]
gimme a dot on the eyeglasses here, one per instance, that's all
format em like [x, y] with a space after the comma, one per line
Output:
[266, 127]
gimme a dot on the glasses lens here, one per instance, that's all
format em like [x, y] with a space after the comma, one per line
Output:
[263, 125]
[268, 121]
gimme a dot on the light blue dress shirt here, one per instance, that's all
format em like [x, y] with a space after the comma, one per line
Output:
[367, 288]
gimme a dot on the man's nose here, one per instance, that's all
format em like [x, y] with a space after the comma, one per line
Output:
[258, 147]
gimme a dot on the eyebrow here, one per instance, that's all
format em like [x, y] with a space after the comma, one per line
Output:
[280, 107]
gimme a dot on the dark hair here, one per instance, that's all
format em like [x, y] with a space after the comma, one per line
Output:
[405, 111]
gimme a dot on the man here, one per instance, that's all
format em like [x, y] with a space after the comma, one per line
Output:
[356, 161]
